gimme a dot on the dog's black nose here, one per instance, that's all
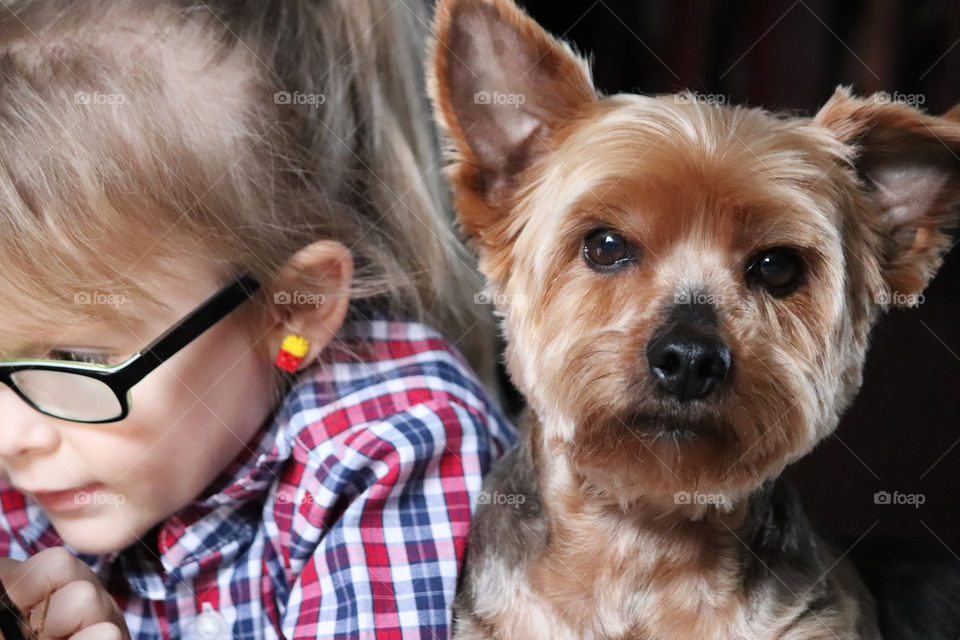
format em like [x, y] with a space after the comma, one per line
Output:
[687, 363]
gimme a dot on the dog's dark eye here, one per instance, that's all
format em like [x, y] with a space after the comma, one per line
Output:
[778, 270]
[604, 250]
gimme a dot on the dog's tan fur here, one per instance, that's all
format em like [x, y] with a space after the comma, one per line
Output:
[864, 191]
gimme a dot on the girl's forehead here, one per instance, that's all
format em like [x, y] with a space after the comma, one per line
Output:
[21, 338]
[104, 332]
[109, 318]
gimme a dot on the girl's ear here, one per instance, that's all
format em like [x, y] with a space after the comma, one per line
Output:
[500, 86]
[909, 162]
[311, 295]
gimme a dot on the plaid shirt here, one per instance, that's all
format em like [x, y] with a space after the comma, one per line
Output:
[346, 519]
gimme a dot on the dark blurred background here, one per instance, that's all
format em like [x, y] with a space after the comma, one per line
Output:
[903, 431]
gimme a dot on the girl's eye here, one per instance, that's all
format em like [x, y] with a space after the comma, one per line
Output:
[88, 357]
[606, 250]
[778, 270]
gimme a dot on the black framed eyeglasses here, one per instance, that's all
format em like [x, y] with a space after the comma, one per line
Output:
[97, 393]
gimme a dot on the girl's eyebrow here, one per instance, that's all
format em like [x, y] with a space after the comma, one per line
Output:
[38, 350]
[131, 336]
[128, 332]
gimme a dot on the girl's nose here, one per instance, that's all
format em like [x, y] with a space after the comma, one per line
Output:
[22, 428]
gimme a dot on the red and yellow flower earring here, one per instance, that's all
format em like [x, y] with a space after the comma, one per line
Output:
[292, 351]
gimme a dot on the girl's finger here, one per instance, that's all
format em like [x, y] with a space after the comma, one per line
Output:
[100, 631]
[10, 574]
[32, 580]
[38, 617]
[8, 566]
[76, 606]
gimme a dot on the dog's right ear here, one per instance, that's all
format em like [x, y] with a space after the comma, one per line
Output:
[500, 85]
[909, 162]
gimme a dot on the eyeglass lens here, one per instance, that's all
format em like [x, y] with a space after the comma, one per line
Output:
[67, 395]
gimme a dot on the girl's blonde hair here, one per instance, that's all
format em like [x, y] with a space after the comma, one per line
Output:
[234, 131]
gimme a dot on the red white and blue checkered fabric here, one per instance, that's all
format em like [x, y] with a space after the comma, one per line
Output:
[346, 518]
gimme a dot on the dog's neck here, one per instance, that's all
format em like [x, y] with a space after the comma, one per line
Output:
[563, 483]
[708, 558]
[575, 503]
[574, 508]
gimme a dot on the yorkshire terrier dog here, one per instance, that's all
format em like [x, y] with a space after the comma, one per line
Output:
[686, 291]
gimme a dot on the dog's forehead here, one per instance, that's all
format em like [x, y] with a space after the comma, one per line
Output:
[656, 165]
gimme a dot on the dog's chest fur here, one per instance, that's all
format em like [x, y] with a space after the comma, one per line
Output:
[656, 580]
[565, 566]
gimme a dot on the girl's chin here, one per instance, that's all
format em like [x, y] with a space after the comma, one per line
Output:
[98, 531]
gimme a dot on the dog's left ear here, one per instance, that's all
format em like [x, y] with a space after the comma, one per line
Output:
[501, 86]
[910, 164]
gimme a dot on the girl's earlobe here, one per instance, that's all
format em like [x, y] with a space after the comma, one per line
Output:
[311, 297]
[292, 352]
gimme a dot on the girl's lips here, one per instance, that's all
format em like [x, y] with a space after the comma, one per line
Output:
[69, 499]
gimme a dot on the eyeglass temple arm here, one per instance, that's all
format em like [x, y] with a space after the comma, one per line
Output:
[189, 328]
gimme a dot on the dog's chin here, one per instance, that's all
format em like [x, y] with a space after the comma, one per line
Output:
[650, 429]
[654, 454]
[679, 429]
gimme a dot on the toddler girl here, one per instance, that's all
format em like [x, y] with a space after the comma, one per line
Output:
[234, 403]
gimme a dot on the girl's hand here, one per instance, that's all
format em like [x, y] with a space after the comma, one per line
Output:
[63, 597]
